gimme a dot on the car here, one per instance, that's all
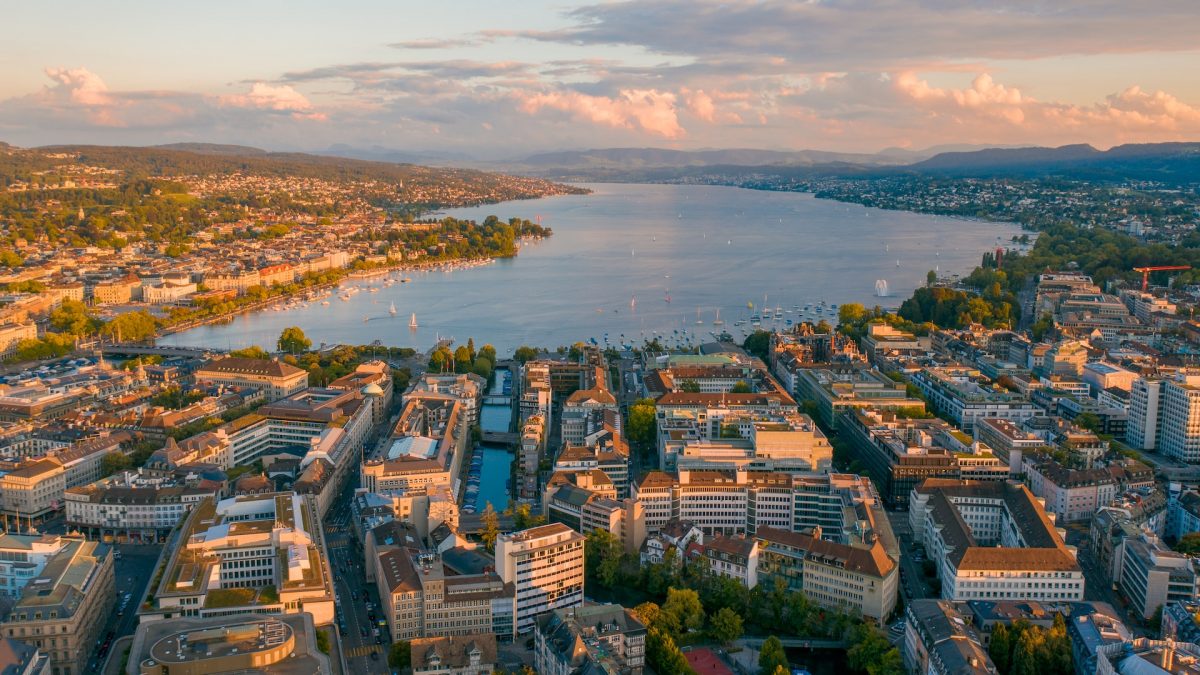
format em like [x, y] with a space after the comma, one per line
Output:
[374, 656]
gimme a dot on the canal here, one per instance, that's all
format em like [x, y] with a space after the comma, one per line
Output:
[495, 467]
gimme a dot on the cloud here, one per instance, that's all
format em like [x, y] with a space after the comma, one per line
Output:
[435, 43]
[646, 109]
[276, 98]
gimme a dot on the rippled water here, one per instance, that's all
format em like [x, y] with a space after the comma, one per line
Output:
[619, 253]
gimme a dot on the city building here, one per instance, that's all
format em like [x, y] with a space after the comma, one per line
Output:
[735, 557]
[256, 553]
[22, 558]
[939, 640]
[19, 658]
[1091, 626]
[1150, 575]
[900, 453]
[966, 397]
[454, 655]
[1144, 655]
[245, 642]
[468, 389]
[12, 334]
[582, 405]
[1179, 621]
[34, 489]
[1008, 441]
[993, 541]
[1072, 495]
[835, 389]
[1145, 413]
[133, 508]
[1179, 434]
[274, 378]
[545, 566]
[592, 639]
[64, 610]
[859, 577]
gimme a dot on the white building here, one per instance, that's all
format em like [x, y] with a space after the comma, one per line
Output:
[1145, 413]
[993, 541]
[22, 558]
[1180, 430]
[545, 565]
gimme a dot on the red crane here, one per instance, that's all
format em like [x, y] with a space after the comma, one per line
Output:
[1157, 268]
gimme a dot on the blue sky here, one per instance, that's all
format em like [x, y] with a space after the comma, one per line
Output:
[506, 79]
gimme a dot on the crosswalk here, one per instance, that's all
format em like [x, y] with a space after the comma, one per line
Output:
[355, 652]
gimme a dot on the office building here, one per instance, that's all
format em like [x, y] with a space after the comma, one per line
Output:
[274, 378]
[545, 566]
[593, 639]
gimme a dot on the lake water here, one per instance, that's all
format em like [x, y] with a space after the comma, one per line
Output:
[493, 484]
[618, 254]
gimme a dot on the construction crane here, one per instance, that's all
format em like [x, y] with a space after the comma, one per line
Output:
[1157, 268]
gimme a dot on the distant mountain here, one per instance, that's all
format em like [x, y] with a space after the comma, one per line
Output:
[1164, 162]
[662, 158]
[381, 154]
[213, 149]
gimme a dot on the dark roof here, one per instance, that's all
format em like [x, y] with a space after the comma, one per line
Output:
[233, 365]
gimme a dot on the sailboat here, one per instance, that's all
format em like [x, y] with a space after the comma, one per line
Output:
[668, 298]
[392, 309]
[412, 320]
[699, 321]
[718, 321]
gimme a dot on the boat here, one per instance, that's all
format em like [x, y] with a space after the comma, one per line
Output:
[718, 321]
[412, 320]
[897, 263]
[392, 309]
[699, 321]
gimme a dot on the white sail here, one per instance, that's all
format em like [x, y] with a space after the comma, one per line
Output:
[412, 320]
[881, 288]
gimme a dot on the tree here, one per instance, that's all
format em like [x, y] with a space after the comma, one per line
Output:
[869, 652]
[114, 462]
[400, 655]
[73, 318]
[683, 604]
[525, 354]
[602, 557]
[491, 527]
[1189, 544]
[251, 352]
[771, 656]
[741, 387]
[725, 626]
[132, 327]
[10, 258]
[851, 313]
[1089, 421]
[524, 518]
[663, 655]
[758, 343]
[930, 278]
[643, 421]
[1000, 648]
[293, 340]
[462, 360]
[649, 614]
[488, 352]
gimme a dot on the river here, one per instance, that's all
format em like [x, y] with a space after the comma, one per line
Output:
[619, 254]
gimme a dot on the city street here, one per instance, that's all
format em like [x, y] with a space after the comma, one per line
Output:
[132, 572]
[913, 583]
[365, 652]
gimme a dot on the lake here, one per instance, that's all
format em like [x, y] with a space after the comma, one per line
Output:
[618, 255]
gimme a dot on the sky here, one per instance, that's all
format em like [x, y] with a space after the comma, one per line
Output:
[494, 80]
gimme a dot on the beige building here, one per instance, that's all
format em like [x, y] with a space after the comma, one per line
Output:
[12, 334]
[116, 292]
[274, 378]
[66, 608]
[545, 565]
[454, 655]
[34, 489]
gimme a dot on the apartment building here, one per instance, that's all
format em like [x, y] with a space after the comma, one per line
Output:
[117, 291]
[583, 405]
[33, 489]
[734, 557]
[784, 441]
[64, 610]
[993, 541]
[900, 453]
[1150, 575]
[274, 378]
[938, 640]
[860, 577]
[130, 507]
[1072, 495]
[966, 397]
[12, 334]
[421, 597]
[836, 389]
[255, 553]
[603, 449]
[468, 389]
[454, 655]
[1145, 413]
[22, 558]
[1008, 441]
[533, 448]
[545, 566]
[597, 638]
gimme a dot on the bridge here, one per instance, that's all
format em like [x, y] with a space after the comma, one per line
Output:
[152, 350]
[497, 399]
[501, 437]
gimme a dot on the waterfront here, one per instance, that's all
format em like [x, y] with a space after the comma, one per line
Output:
[619, 254]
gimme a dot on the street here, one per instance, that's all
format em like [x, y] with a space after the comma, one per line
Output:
[133, 569]
[358, 610]
[913, 583]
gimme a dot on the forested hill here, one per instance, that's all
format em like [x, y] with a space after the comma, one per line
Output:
[452, 187]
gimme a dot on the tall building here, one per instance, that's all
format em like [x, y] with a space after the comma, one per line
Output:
[1145, 413]
[1180, 430]
[65, 608]
[23, 557]
[545, 564]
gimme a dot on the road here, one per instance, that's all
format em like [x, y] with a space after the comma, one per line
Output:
[1097, 583]
[913, 583]
[365, 653]
[132, 572]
